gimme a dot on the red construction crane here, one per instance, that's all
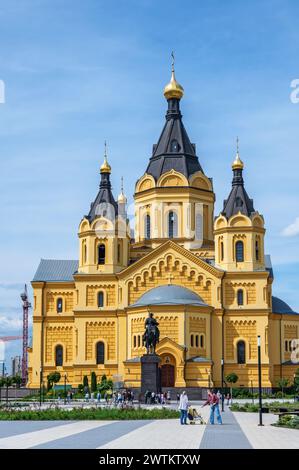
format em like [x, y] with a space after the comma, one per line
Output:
[26, 306]
[10, 338]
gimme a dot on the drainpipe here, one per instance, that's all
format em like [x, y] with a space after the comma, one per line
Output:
[41, 398]
[223, 313]
[280, 348]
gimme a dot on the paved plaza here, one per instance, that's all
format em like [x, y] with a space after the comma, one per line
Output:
[239, 431]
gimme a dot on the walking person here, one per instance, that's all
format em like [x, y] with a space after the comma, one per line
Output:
[213, 401]
[183, 407]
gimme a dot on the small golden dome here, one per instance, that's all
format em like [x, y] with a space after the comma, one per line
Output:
[105, 168]
[237, 163]
[173, 89]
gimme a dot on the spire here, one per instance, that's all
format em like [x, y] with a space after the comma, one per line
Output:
[105, 168]
[237, 163]
[238, 199]
[173, 89]
[105, 198]
[174, 150]
[122, 197]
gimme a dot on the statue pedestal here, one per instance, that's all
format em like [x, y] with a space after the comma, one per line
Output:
[150, 373]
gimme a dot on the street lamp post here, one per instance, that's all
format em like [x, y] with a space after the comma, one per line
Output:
[40, 386]
[260, 379]
[6, 389]
[222, 391]
[65, 389]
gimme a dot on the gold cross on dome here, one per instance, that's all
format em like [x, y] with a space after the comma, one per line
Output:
[170, 278]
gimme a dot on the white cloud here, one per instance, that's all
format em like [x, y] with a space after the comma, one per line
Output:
[8, 324]
[291, 230]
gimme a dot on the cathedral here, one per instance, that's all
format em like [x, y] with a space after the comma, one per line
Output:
[205, 278]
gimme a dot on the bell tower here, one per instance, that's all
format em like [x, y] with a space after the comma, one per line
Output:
[103, 234]
[239, 228]
[174, 198]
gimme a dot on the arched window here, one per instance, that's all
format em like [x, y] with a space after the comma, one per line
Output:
[240, 297]
[59, 355]
[134, 341]
[101, 254]
[257, 250]
[174, 146]
[202, 341]
[290, 346]
[100, 352]
[147, 226]
[241, 352]
[85, 253]
[100, 299]
[59, 305]
[239, 251]
[192, 341]
[172, 224]
[196, 341]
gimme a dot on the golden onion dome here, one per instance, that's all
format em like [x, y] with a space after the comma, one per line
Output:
[173, 89]
[237, 163]
[105, 168]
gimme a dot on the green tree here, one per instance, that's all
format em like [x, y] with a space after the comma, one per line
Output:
[231, 378]
[85, 384]
[17, 379]
[282, 384]
[105, 385]
[53, 378]
[93, 382]
[296, 380]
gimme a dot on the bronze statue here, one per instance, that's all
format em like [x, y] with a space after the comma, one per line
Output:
[151, 335]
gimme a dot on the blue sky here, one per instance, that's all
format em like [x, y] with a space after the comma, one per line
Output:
[79, 72]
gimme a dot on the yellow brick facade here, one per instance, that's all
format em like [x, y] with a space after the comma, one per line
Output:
[177, 242]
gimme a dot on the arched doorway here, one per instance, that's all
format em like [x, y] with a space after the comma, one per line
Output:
[167, 370]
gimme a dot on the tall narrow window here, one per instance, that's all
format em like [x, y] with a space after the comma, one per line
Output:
[134, 341]
[172, 224]
[100, 352]
[59, 305]
[85, 253]
[241, 352]
[286, 346]
[198, 227]
[59, 355]
[240, 297]
[147, 227]
[192, 341]
[202, 341]
[139, 341]
[221, 251]
[100, 299]
[196, 341]
[257, 250]
[101, 254]
[239, 252]
[118, 253]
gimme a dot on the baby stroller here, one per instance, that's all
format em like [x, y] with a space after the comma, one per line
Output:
[194, 416]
